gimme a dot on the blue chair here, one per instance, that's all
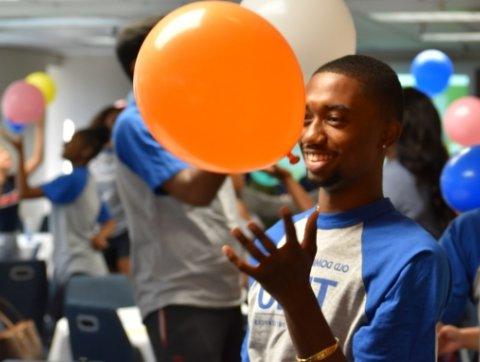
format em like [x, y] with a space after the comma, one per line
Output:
[112, 291]
[96, 332]
[24, 284]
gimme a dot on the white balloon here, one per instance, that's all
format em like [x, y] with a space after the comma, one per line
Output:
[317, 30]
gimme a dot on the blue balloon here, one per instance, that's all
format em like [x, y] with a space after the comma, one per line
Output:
[15, 128]
[432, 70]
[460, 180]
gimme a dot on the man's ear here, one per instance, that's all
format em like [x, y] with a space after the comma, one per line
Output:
[391, 134]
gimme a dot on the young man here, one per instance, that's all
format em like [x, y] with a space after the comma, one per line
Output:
[76, 213]
[366, 283]
[178, 218]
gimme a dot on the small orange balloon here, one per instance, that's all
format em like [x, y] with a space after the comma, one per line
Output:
[220, 88]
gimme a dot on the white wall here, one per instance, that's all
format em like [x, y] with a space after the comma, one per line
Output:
[85, 85]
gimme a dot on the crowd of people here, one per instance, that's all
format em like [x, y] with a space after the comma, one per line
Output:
[373, 266]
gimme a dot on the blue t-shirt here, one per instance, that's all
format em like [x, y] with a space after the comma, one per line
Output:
[67, 188]
[140, 152]
[382, 283]
[461, 242]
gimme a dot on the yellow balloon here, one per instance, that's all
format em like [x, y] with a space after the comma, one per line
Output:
[44, 83]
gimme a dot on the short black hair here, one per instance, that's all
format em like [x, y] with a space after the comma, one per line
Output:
[378, 79]
[130, 40]
[100, 119]
[95, 138]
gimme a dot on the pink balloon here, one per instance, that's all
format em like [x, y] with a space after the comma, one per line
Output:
[23, 103]
[462, 121]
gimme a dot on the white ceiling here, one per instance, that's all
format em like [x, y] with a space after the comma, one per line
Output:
[89, 26]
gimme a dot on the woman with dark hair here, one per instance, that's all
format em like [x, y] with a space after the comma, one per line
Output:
[414, 164]
[102, 167]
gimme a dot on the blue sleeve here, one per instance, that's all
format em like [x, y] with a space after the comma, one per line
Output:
[104, 214]
[461, 247]
[141, 153]
[65, 189]
[403, 326]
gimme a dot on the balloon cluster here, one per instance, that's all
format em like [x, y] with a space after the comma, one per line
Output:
[460, 180]
[24, 101]
[220, 86]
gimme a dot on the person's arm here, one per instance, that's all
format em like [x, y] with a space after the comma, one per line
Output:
[300, 197]
[38, 148]
[284, 274]
[24, 189]
[461, 281]
[238, 181]
[194, 187]
[159, 169]
[100, 240]
[107, 226]
[401, 324]
[451, 339]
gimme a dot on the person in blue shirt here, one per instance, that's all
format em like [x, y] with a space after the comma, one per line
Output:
[81, 223]
[461, 242]
[352, 278]
[178, 218]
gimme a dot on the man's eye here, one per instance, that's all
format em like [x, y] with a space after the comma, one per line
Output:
[334, 120]
[307, 119]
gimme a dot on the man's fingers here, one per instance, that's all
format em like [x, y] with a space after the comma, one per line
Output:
[264, 239]
[288, 224]
[310, 237]
[248, 244]
[239, 263]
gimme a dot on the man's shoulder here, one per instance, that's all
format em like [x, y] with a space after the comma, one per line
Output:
[128, 121]
[399, 232]
[468, 222]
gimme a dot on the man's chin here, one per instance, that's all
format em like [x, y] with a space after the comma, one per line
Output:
[326, 182]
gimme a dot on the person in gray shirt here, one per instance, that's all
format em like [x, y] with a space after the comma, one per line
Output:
[178, 218]
[411, 174]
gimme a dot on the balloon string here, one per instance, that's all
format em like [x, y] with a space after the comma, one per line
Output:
[292, 158]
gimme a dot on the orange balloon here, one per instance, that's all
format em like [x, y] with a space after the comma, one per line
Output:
[220, 88]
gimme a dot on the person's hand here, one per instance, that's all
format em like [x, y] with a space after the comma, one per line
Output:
[449, 339]
[99, 242]
[284, 272]
[277, 172]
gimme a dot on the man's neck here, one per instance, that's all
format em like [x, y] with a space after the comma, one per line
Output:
[349, 198]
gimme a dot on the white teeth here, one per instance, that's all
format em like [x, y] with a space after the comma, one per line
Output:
[316, 157]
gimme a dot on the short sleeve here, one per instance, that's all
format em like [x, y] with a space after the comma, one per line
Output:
[104, 214]
[65, 189]
[141, 153]
[403, 326]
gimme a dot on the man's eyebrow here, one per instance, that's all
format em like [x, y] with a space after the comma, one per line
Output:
[337, 107]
